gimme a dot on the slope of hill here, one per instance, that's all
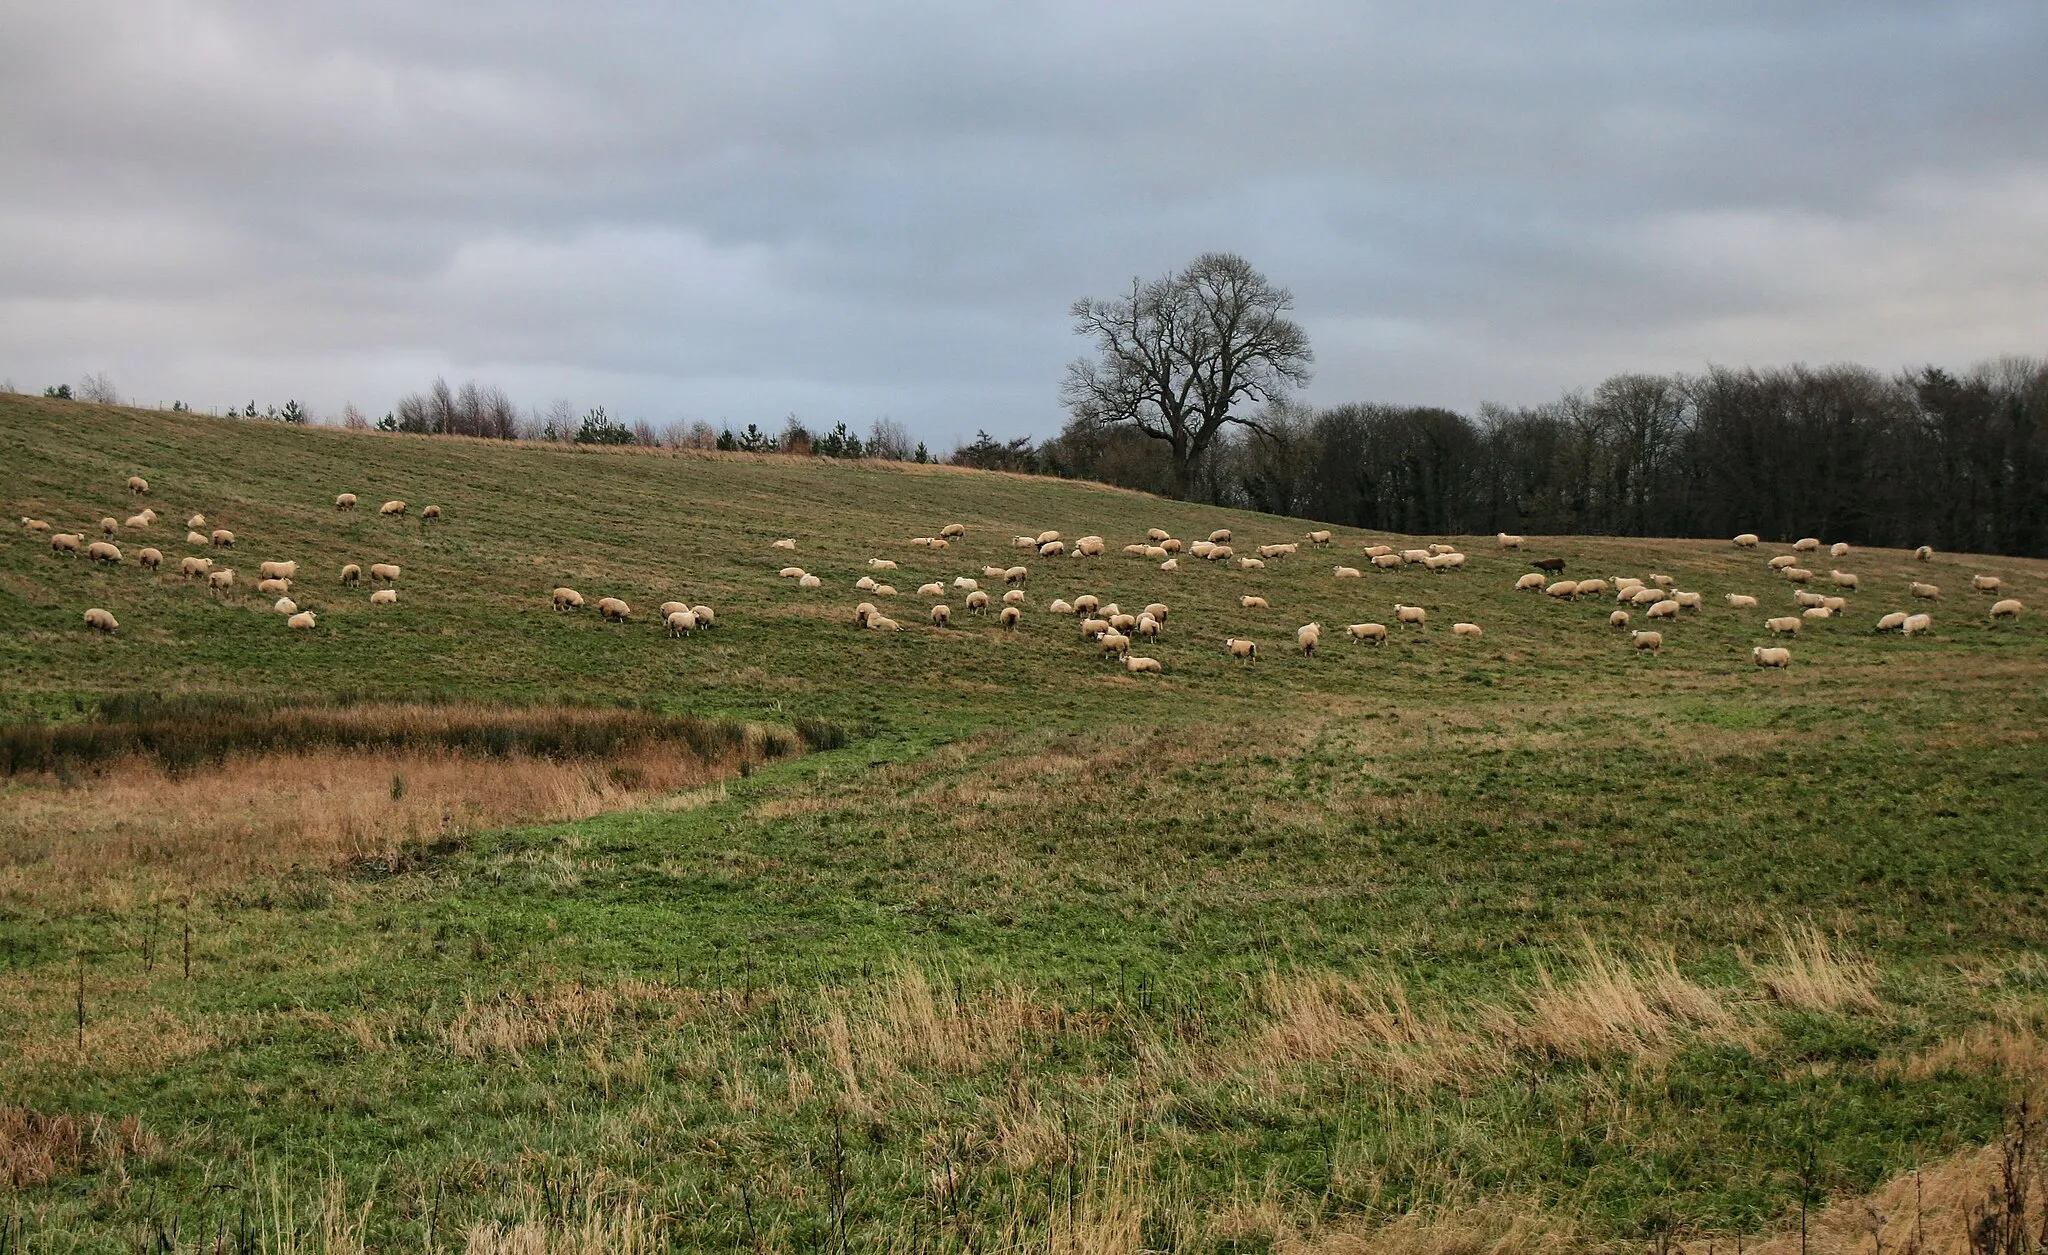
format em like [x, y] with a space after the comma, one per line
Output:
[1049, 956]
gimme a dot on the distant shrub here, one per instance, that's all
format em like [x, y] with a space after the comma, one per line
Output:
[61, 391]
[818, 734]
[600, 428]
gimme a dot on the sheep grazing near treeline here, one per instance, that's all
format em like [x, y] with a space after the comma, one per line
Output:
[1319, 538]
[1143, 666]
[1242, 650]
[389, 597]
[2008, 609]
[221, 579]
[101, 551]
[1093, 628]
[383, 573]
[1509, 542]
[1415, 557]
[1916, 624]
[977, 601]
[392, 507]
[431, 512]
[1530, 583]
[568, 599]
[222, 538]
[1840, 549]
[1011, 616]
[279, 570]
[1308, 636]
[1926, 592]
[951, 530]
[1748, 540]
[100, 621]
[809, 581]
[1924, 553]
[345, 501]
[791, 573]
[1646, 596]
[1378, 551]
[1563, 588]
[611, 608]
[1619, 619]
[1279, 551]
[1592, 588]
[680, 622]
[1221, 536]
[1552, 565]
[137, 484]
[190, 567]
[151, 559]
[1016, 574]
[1818, 612]
[1986, 583]
[1349, 573]
[1741, 601]
[787, 542]
[1392, 561]
[285, 606]
[195, 538]
[1666, 609]
[1891, 622]
[302, 621]
[1844, 579]
[1465, 629]
[1253, 603]
[1798, 575]
[1090, 546]
[1784, 625]
[1806, 544]
[1774, 656]
[1411, 614]
[1375, 633]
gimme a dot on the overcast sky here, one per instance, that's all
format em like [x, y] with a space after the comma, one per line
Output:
[736, 209]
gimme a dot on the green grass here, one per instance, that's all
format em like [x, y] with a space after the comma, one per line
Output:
[1099, 873]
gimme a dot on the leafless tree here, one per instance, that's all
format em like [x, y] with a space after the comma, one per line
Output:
[99, 389]
[1179, 355]
[889, 439]
[353, 418]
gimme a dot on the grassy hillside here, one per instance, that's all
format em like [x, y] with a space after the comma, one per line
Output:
[1528, 930]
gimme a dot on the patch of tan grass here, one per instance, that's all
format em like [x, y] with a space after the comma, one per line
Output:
[137, 828]
[37, 1147]
[1813, 974]
[1929, 1212]
[120, 1042]
[1615, 1006]
[512, 1024]
[1495, 1227]
[1322, 1015]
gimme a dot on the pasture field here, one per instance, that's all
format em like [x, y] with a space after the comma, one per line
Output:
[965, 939]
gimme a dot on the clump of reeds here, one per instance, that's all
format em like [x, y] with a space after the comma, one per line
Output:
[38, 1147]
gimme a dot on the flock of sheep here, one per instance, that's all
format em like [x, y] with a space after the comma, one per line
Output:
[273, 577]
[1112, 630]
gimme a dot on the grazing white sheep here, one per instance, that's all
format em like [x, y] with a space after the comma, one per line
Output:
[1563, 588]
[303, 621]
[1411, 614]
[1741, 601]
[1251, 564]
[1649, 642]
[791, 573]
[1015, 597]
[1349, 573]
[1465, 629]
[1090, 546]
[383, 573]
[195, 566]
[1917, 623]
[1060, 606]
[1170, 545]
[1926, 592]
[392, 507]
[1646, 596]
[934, 589]
[670, 607]
[1110, 611]
[977, 601]
[965, 583]
[279, 570]
[1011, 616]
[1391, 561]
[1016, 574]
[1320, 538]
[351, 574]
[286, 606]
[1844, 579]
[1798, 575]
[1619, 619]
[1279, 551]
[1221, 536]
[1157, 534]
[102, 551]
[273, 587]
[1891, 622]
[865, 583]
[1376, 633]
[1087, 603]
[2007, 609]
[1840, 549]
[1924, 553]
[1202, 548]
[619, 611]
[431, 512]
[1986, 583]
[1592, 588]
[1784, 625]
[223, 578]
[222, 538]
[810, 581]
[1147, 627]
[1806, 601]
[1689, 601]
[1115, 645]
[1253, 603]
[1782, 561]
[1818, 612]
[1530, 583]
[108, 527]
[1242, 650]
[885, 590]
[1307, 636]
[1046, 538]
[1774, 656]
[345, 501]
[1143, 666]
[1415, 557]
[951, 530]
[1157, 610]
[611, 608]
[881, 564]
[1378, 551]
[195, 538]
[1748, 540]
[151, 559]
[567, 599]
[1836, 604]
[100, 621]
[1094, 628]
[1437, 547]
[1666, 609]
[1806, 544]
[1509, 542]
[137, 484]
[942, 616]
[196, 521]
[707, 618]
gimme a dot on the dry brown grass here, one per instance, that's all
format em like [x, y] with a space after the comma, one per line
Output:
[1813, 974]
[121, 1042]
[137, 828]
[512, 1024]
[1495, 1227]
[1322, 1015]
[36, 1148]
[1615, 1006]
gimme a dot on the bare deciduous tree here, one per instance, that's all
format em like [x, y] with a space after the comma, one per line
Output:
[99, 389]
[1180, 354]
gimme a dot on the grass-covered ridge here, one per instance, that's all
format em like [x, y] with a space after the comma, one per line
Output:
[1527, 930]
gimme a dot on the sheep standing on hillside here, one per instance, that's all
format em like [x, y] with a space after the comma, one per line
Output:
[977, 602]
[1090, 546]
[195, 566]
[431, 512]
[942, 616]
[1844, 579]
[151, 559]
[1392, 561]
[1563, 588]
[1376, 633]
[1748, 540]
[100, 621]
[1807, 544]
[951, 530]
[345, 501]
[1619, 619]
[1666, 609]
[1924, 553]
[1530, 583]
[1775, 656]
[1840, 549]
[1011, 616]
[278, 570]
[137, 484]
[1647, 642]
[1782, 561]
[273, 587]
[108, 527]
[351, 574]
[221, 580]
[1509, 542]
[1221, 536]
[1798, 575]
[1891, 622]
[1015, 597]
[383, 573]
[1115, 645]
[1307, 636]
[1916, 624]
[2008, 609]
[680, 622]
[1411, 614]
[1926, 592]
[1986, 583]
[610, 608]
[1320, 538]
[101, 551]
[222, 538]
[1051, 549]
[1784, 625]
[392, 507]
[566, 599]
[1016, 574]
[1242, 650]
